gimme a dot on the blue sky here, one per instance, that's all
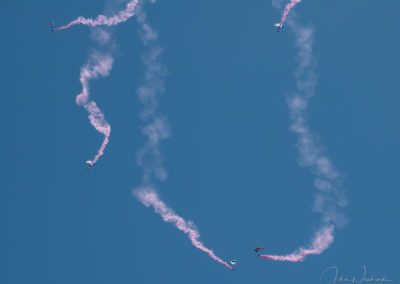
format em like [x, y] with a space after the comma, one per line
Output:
[232, 162]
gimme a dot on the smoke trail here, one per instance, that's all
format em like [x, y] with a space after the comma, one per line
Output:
[287, 9]
[329, 199]
[98, 65]
[122, 16]
[322, 241]
[149, 157]
[150, 198]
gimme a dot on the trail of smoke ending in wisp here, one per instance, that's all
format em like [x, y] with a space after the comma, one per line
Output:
[328, 199]
[322, 240]
[286, 12]
[98, 65]
[122, 16]
[149, 157]
[157, 129]
[150, 198]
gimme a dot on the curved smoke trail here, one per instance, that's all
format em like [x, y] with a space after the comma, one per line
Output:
[149, 198]
[321, 242]
[149, 157]
[287, 9]
[102, 20]
[329, 198]
[99, 64]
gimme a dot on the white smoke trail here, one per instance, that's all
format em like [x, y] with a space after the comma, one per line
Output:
[149, 157]
[150, 198]
[156, 129]
[329, 198]
[322, 240]
[99, 64]
[102, 20]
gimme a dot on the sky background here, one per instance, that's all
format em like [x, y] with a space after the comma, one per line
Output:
[232, 162]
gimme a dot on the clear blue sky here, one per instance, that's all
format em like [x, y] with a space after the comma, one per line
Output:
[232, 161]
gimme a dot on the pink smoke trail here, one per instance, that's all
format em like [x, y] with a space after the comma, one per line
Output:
[322, 241]
[98, 65]
[150, 198]
[329, 199]
[156, 130]
[287, 9]
[122, 16]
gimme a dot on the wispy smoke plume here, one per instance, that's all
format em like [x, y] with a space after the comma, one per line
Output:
[322, 240]
[329, 198]
[99, 64]
[149, 157]
[102, 20]
[149, 198]
[156, 129]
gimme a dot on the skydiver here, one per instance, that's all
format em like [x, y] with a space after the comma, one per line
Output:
[233, 262]
[90, 164]
[258, 249]
[279, 26]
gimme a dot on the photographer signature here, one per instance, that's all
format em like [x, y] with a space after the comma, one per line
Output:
[341, 278]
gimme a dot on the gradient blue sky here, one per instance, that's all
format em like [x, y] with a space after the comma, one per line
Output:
[232, 161]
